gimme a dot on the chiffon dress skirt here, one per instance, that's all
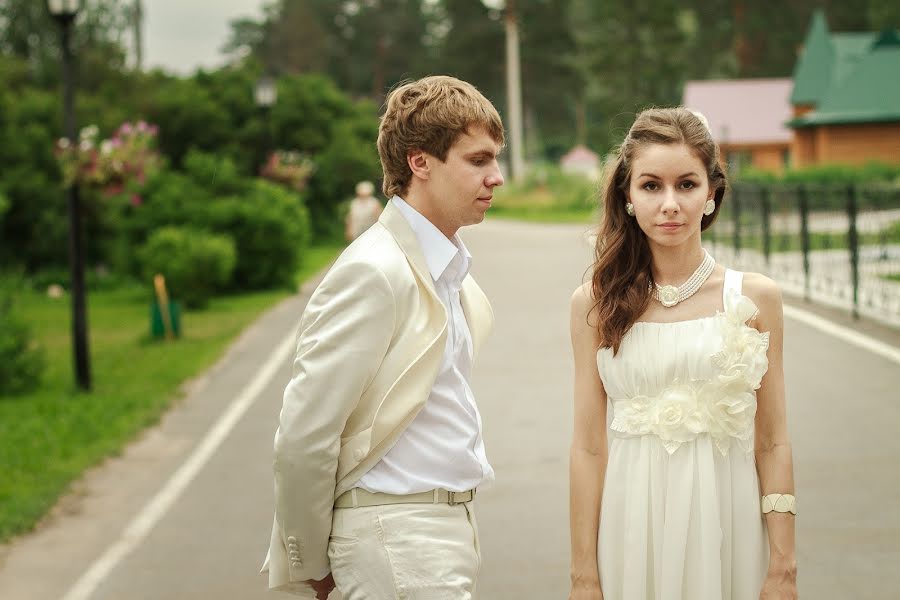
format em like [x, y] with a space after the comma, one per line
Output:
[680, 516]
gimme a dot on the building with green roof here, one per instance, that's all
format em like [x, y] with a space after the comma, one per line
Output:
[846, 97]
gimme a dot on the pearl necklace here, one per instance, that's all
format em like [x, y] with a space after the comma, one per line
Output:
[669, 295]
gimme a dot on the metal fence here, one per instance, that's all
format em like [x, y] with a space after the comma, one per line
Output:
[832, 244]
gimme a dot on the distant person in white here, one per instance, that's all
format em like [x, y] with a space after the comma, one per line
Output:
[363, 211]
[379, 449]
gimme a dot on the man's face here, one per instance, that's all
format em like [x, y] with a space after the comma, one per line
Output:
[460, 188]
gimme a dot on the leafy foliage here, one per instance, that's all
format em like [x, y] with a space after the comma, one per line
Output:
[269, 224]
[195, 264]
[872, 172]
[22, 361]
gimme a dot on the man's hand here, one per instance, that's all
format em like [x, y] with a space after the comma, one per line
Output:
[323, 587]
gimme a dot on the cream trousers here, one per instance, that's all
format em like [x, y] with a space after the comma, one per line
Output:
[405, 552]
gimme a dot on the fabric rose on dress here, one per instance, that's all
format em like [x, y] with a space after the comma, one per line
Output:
[744, 348]
[632, 416]
[730, 412]
[676, 417]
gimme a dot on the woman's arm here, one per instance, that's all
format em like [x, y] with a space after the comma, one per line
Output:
[588, 455]
[774, 460]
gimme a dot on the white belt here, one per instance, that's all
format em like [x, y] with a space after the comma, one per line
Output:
[359, 497]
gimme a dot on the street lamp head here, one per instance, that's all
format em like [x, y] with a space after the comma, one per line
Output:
[64, 9]
[494, 4]
[266, 93]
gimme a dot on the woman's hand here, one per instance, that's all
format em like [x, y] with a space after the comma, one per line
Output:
[585, 590]
[780, 584]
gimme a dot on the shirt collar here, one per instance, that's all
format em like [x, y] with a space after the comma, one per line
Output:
[438, 250]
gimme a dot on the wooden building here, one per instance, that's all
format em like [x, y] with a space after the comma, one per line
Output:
[747, 118]
[846, 97]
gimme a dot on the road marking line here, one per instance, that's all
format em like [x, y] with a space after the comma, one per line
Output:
[844, 333]
[154, 510]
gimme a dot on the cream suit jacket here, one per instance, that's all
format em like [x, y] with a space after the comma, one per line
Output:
[368, 351]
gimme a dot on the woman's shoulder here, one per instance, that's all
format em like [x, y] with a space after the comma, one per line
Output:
[582, 326]
[759, 287]
[764, 292]
[583, 298]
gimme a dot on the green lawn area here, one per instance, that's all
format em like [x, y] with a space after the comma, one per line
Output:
[49, 437]
[817, 240]
[542, 214]
[555, 197]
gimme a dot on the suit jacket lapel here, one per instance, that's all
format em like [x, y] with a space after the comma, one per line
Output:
[475, 304]
[394, 221]
[477, 310]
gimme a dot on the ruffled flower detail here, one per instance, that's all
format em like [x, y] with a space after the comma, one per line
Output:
[724, 407]
[676, 417]
[743, 356]
[633, 416]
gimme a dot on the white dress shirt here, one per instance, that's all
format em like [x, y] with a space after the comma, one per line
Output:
[443, 446]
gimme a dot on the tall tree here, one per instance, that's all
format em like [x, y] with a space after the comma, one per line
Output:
[365, 46]
[472, 47]
[551, 83]
[631, 55]
[27, 31]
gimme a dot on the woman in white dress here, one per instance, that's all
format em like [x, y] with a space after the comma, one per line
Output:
[363, 212]
[686, 491]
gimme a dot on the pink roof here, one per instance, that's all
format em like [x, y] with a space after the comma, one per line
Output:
[580, 154]
[743, 111]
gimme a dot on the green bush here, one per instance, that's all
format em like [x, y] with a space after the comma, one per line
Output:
[211, 112]
[872, 172]
[350, 157]
[195, 264]
[270, 227]
[22, 361]
[548, 187]
[269, 224]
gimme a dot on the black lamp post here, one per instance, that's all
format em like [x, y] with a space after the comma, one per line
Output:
[265, 94]
[65, 11]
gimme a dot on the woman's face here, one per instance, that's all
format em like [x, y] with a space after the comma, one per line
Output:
[669, 189]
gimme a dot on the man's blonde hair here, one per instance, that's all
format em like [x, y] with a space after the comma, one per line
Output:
[429, 115]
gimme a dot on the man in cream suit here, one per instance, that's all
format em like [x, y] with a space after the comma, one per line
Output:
[379, 449]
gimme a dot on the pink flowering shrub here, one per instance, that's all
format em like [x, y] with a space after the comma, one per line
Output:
[290, 169]
[110, 165]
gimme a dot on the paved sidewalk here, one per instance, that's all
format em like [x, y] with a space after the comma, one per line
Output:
[843, 414]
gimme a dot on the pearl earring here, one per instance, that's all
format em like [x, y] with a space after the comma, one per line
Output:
[629, 208]
[710, 207]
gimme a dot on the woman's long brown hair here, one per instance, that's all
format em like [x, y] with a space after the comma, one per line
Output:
[622, 278]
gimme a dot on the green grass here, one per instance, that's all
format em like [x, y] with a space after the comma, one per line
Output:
[49, 437]
[892, 277]
[817, 240]
[317, 257]
[547, 196]
[542, 214]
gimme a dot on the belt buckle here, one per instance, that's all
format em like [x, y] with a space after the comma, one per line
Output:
[453, 495]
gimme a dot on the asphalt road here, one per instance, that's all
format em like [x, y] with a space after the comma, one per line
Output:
[209, 542]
